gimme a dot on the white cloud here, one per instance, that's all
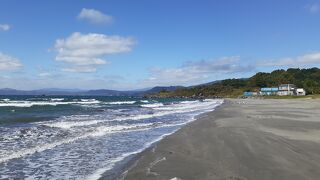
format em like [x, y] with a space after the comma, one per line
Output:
[94, 16]
[313, 8]
[44, 74]
[86, 51]
[300, 61]
[81, 69]
[9, 63]
[5, 27]
[196, 72]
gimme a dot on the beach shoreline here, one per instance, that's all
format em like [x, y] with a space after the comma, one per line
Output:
[119, 170]
[241, 139]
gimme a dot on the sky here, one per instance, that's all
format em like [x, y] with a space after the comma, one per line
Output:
[126, 45]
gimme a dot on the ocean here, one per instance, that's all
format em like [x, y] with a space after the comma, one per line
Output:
[78, 137]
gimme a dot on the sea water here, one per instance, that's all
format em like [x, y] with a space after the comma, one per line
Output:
[77, 137]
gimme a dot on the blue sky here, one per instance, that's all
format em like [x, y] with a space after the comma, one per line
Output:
[117, 44]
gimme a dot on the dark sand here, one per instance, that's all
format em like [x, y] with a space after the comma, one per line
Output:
[243, 139]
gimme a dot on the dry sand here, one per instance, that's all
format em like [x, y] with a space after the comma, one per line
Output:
[243, 139]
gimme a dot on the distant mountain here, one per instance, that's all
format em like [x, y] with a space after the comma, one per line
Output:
[8, 91]
[162, 88]
[206, 84]
[60, 90]
[107, 92]
[143, 89]
[97, 92]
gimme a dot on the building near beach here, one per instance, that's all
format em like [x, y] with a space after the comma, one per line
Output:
[282, 90]
[287, 90]
[269, 91]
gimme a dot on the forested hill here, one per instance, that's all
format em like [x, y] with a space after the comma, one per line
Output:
[309, 79]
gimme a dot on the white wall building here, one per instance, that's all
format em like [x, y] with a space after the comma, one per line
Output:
[286, 90]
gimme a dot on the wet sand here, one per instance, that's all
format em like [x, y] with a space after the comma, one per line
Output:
[242, 139]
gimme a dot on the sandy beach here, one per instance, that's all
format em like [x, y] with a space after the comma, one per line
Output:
[242, 139]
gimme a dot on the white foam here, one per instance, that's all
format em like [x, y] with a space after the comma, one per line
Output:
[99, 172]
[100, 131]
[42, 103]
[68, 125]
[144, 101]
[177, 107]
[191, 108]
[57, 99]
[87, 100]
[120, 102]
[171, 109]
[30, 103]
[188, 102]
[152, 105]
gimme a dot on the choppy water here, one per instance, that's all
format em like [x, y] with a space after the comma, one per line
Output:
[81, 137]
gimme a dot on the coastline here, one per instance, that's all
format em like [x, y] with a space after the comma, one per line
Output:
[241, 139]
[120, 168]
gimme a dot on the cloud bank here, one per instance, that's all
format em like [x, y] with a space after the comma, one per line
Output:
[195, 72]
[84, 52]
[300, 61]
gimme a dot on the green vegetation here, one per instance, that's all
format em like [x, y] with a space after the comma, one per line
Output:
[309, 79]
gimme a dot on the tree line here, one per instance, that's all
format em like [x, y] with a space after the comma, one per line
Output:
[309, 79]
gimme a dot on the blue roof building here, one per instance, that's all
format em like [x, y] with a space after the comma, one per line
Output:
[248, 94]
[269, 91]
